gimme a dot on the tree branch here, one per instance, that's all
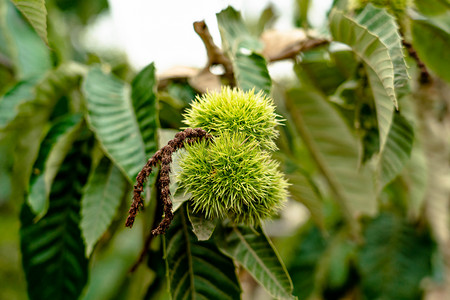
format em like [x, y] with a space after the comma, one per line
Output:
[424, 74]
[215, 54]
[292, 51]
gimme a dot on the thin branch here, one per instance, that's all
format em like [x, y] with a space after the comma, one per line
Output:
[292, 51]
[424, 74]
[215, 54]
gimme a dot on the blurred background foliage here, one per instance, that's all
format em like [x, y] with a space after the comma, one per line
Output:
[368, 215]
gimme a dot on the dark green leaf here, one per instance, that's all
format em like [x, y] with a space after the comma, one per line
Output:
[104, 191]
[125, 126]
[197, 270]
[52, 152]
[36, 14]
[145, 107]
[22, 39]
[242, 48]
[9, 103]
[394, 260]
[309, 248]
[432, 7]
[29, 113]
[397, 150]
[375, 54]
[432, 44]
[254, 251]
[384, 26]
[321, 70]
[335, 151]
[52, 249]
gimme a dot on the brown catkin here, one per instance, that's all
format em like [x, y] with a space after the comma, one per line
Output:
[163, 156]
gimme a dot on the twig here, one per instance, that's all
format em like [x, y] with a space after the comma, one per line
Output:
[164, 155]
[215, 55]
[293, 50]
[424, 74]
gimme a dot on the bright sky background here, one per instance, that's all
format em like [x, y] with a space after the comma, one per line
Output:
[162, 31]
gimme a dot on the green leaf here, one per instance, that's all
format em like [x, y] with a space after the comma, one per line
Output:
[375, 54]
[22, 38]
[28, 114]
[203, 228]
[309, 248]
[242, 48]
[9, 103]
[319, 68]
[384, 26]
[432, 7]
[254, 251]
[145, 105]
[335, 151]
[104, 190]
[415, 174]
[197, 270]
[303, 190]
[397, 150]
[52, 249]
[123, 120]
[52, 152]
[36, 14]
[389, 268]
[432, 44]
[265, 20]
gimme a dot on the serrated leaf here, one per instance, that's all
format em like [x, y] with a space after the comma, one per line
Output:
[36, 14]
[397, 150]
[242, 48]
[432, 44]
[384, 26]
[389, 268]
[125, 126]
[52, 249]
[21, 39]
[197, 270]
[52, 152]
[335, 151]
[145, 105]
[254, 251]
[202, 228]
[104, 190]
[370, 48]
[28, 116]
